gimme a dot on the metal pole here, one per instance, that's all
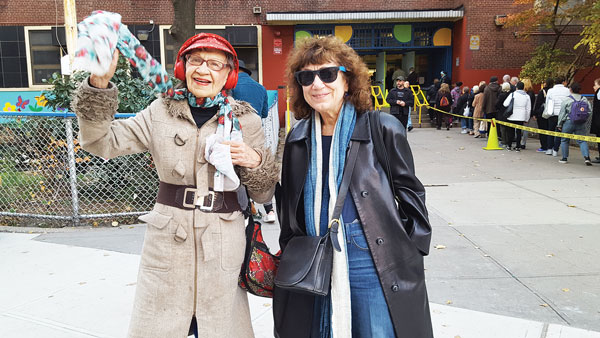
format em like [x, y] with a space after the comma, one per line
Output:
[70, 29]
[72, 171]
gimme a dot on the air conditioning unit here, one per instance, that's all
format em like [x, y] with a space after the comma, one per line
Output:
[256, 10]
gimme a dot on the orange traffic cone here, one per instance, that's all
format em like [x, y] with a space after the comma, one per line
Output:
[492, 143]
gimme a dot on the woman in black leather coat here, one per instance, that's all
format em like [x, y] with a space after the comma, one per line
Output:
[389, 280]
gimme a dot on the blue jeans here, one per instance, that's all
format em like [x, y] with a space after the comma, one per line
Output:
[577, 129]
[370, 314]
[467, 123]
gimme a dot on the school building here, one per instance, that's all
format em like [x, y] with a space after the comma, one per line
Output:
[465, 38]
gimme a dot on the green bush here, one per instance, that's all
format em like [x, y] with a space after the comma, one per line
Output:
[134, 93]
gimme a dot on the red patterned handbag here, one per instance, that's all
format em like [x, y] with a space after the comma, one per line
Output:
[260, 265]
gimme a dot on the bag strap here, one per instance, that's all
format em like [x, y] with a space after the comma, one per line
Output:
[341, 198]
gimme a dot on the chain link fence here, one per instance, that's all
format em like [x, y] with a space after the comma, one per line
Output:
[46, 179]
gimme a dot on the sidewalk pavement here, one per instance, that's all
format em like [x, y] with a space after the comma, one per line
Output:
[514, 254]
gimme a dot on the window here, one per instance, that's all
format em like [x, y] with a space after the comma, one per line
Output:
[13, 57]
[422, 36]
[44, 56]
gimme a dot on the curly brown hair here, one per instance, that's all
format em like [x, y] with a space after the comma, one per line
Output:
[318, 51]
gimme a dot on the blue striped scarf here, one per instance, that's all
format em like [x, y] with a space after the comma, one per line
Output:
[314, 204]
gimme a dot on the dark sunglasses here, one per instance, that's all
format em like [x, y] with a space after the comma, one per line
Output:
[327, 75]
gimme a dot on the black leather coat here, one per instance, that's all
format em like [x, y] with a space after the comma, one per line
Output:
[397, 247]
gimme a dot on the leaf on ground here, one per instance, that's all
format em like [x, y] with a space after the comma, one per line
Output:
[82, 283]
[565, 290]
[461, 148]
[544, 305]
[571, 206]
[131, 227]
[440, 246]
[448, 302]
[486, 255]
[95, 224]
[115, 224]
[550, 255]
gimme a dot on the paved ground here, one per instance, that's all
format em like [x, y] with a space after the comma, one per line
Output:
[514, 253]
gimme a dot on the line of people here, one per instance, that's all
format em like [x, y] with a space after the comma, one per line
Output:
[553, 108]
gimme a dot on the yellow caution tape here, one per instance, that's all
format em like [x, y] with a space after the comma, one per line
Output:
[535, 130]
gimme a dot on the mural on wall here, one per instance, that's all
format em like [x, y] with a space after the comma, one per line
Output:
[402, 34]
[442, 37]
[24, 101]
[343, 32]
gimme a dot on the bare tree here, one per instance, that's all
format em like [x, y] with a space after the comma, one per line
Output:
[184, 21]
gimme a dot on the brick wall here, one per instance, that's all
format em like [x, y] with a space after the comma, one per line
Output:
[499, 49]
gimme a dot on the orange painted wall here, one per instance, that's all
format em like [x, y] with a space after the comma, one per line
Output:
[273, 65]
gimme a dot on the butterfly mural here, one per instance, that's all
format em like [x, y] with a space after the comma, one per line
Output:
[21, 104]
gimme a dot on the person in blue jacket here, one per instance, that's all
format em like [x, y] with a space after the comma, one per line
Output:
[254, 93]
[251, 91]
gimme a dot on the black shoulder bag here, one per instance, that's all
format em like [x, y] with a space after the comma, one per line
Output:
[306, 261]
[509, 110]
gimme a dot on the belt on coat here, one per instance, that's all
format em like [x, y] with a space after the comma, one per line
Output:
[186, 197]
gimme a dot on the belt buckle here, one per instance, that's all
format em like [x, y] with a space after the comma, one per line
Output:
[189, 205]
[209, 207]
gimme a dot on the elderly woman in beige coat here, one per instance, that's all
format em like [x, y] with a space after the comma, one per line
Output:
[194, 242]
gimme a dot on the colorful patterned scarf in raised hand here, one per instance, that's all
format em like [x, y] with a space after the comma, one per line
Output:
[99, 35]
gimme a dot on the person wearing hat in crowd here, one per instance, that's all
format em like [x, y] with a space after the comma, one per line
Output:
[208, 150]
[400, 100]
[254, 93]
[490, 99]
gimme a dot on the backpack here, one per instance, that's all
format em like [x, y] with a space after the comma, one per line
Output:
[580, 110]
[444, 101]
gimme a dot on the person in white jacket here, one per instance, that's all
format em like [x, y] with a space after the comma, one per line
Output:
[520, 113]
[556, 95]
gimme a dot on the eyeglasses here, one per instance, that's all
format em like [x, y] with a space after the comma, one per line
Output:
[197, 61]
[327, 75]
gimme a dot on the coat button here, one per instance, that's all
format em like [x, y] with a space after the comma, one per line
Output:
[379, 241]
[395, 288]
[364, 193]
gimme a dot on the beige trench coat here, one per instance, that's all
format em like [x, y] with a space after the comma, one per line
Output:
[190, 259]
